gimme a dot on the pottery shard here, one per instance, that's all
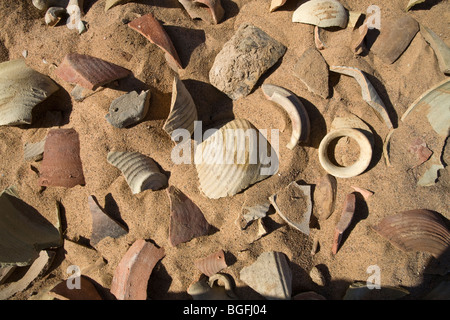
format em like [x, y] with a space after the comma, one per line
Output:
[395, 36]
[89, 72]
[243, 59]
[87, 291]
[212, 264]
[128, 109]
[325, 197]
[133, 272]
[312, 70]
[186, 219]
[61, 166]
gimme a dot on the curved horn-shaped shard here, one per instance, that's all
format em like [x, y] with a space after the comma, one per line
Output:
[233, 158]
[140, 171]
[196, 10]
[295, 110]
[53, 15]
[183, 111]
[368, 92]
[416, 230]
[322, 13]
[150, 28]
[21, 89]
[89, 72]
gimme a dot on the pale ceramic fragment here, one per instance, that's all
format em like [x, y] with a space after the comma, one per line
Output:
[322, 13]
[440, 48]
[21, 89]
[140, 171]
[151, 29]
[412, 3]
[275, 4]
[251, 213]
[270, 275]
[183, 111]
[295, 110]
[369, 94]
[312, 69]
[295, 205]
[128, 109]
[33, 151]
[54, 15]
[233, 158]
[196, 10]
[75, 11]
[217, 287]
[112, 3]
[79, 93]
[353, 18]
[243, 59]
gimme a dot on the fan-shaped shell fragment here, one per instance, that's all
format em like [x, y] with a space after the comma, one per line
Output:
[322, 13]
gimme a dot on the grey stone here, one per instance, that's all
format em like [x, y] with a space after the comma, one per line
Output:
[243, 59]
[128, 109]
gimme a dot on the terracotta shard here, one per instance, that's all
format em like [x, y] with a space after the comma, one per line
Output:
[89, 72]
[270, 275]
[133, 272]
[212, 264]
[21, 89]
[102, 225]
[150, 28]
[395, 36]
[416, 230]
[312, 69]
[186, 219]
[87, 291]
[364, 192]
[325, 197]
[344, 222]
[243, 59]
[141, 172]
[293, 204]
[420, 149]
[212, 13]
[61, 166]
[317, 39]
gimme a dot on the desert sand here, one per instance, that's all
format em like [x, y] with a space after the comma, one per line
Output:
[147, 214]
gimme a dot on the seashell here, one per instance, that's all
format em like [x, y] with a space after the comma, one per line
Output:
[294, 205]
[23, 231]
[39, 267]
[61, 166]
[212, 264]
[270, 276]
[196, 10]
[54, 15]
[186, 219]
[369, 94]
[242, 61]
[34, 151]
[233, 158]
[275, 4]
[295, 110]
[87, 291]
[183, 111]
[206, 289]
[89, 72]
[312, 69]
[365, 153]
[322, 13]
[128, 109]
[395, 36]
[325, 197]
[21, 89]
[436, 103]
[412, 3]
[134, 269]
[416, 230]
[344, 222]
[440, 48]
[359, 290]
[140, 172]
[150, 28]
[102, 225]
[112, 3]
[364, 192]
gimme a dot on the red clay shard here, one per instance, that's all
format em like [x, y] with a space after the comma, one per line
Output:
[133, 271]
[150, 28]
[186, 219]
[89, 72]
[344, 222]
[212, 264]
[61, 166]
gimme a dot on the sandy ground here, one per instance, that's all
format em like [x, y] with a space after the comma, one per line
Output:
[147, 214]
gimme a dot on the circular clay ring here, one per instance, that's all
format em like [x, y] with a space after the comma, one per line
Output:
[365, 153]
